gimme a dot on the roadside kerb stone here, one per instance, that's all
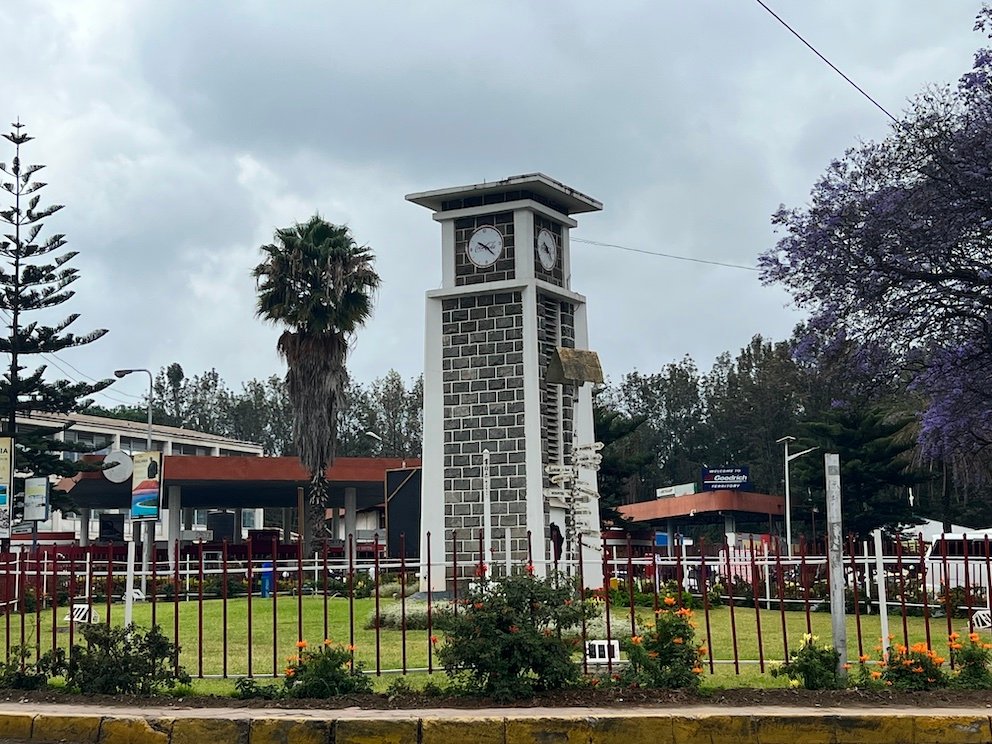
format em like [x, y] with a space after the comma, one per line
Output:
[135, 730]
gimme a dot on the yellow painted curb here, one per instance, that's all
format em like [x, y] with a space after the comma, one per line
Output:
[622, 730]
[135, 731]
[209, 731]
[549, 730]
[713, 729]
[77, 729]
[952, 730]
[288, 731]
[16, 726]
[356, 731]
[464, 730]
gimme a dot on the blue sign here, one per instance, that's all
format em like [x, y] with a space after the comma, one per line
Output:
[727, 479]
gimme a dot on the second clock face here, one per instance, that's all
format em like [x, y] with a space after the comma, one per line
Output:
[547, 249]
[484, 246]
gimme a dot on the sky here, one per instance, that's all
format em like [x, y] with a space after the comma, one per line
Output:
[181, 134]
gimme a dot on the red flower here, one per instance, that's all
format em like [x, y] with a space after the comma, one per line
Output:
[514, 629]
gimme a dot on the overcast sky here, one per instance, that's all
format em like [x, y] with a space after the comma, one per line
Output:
[179, 135]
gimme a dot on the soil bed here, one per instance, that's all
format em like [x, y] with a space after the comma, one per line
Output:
[607, 698]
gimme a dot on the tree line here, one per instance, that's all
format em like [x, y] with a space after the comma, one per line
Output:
[381, 418]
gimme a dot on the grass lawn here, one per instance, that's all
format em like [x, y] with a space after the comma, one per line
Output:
[268, 657]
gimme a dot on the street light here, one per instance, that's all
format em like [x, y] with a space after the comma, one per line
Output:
[146, 551]
[788, 502]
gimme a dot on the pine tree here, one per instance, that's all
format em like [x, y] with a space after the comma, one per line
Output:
[34, 278]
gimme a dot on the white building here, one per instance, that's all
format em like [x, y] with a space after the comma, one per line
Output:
[106, 434]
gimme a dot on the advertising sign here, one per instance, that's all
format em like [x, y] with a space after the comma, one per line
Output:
[146, 486]
[727, 478]
[6, 484]
[36, 499]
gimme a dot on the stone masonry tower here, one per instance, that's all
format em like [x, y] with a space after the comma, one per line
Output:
[492, 422]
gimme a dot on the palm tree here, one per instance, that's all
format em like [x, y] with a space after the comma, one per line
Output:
[320, 284]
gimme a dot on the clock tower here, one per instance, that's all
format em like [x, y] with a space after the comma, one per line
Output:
[496, 429]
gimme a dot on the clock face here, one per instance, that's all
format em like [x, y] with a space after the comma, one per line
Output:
[547, 249]
[485, 246]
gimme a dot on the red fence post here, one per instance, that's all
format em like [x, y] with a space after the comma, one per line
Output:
[249, 575]
[403, 598]
[430, 619]
[730, 601]
[175, 606]
[223, 594]
[199, 615]
[275, 606]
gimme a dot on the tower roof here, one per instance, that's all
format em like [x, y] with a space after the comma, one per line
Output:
[536, 186]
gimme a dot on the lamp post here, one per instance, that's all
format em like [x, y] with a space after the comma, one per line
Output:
[149, 540]
[788, 502]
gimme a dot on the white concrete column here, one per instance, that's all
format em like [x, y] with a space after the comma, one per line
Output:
[215, 451]
[533, 379]
[85, 515]
[432, 489]
[237, 526]
[350, 517]
[174, 530]
[117, 440]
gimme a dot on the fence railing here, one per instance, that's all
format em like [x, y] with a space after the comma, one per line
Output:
[241, 610]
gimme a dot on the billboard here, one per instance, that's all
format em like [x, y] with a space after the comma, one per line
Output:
[6, 486]
[727, 478]
[146, 486]
[36, 499]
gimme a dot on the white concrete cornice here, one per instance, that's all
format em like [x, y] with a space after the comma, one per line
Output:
[511, 206]
[508, 285]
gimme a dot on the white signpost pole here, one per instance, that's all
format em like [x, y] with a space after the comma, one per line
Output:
[129, 585]
[835, 559]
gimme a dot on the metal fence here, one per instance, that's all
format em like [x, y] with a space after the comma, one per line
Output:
[239, 610]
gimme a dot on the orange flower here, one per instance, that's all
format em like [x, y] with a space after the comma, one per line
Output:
[863, 658]
[433, 640]
[938, 660]
[290, 672]
[669, 601]
[953, 636]
[876, 675]
[350, 647]
[514, 629]
[845, 666]
[478, 605]
[636, 640]
[594, 682]
[917, 670]
[677, 641]
[301, 644]
[955, 646]
[703, 650]
[697, 670]
[973, 637]
[652, 654]
[328, 642]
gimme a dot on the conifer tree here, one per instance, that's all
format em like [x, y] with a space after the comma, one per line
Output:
[35, 277]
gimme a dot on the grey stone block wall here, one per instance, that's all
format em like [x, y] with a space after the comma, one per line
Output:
[483, 388]
[467, 272]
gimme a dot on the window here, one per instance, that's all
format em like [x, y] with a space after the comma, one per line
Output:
[248, 519]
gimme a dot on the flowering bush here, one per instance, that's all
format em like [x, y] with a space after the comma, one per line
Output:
[665, 654]
[915, 667]
[506, 639]
[973, 663]
[324, 672]
[811, 666]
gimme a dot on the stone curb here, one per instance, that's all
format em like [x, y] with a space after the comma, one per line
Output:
[602, 727]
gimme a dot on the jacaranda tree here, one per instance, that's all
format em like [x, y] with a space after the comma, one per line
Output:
[894, 250]
[319, 284]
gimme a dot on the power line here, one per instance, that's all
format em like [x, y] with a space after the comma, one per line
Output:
[54, 361]
[831, 64]
[665, 255]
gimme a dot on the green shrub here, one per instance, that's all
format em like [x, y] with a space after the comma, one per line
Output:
[915, 667]
[31, 677]
[391, 615]
[324, 672]
[664, 654]
[811, 666]
[123, 660]
[506, 642]
[245, 688]
[972, 660]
